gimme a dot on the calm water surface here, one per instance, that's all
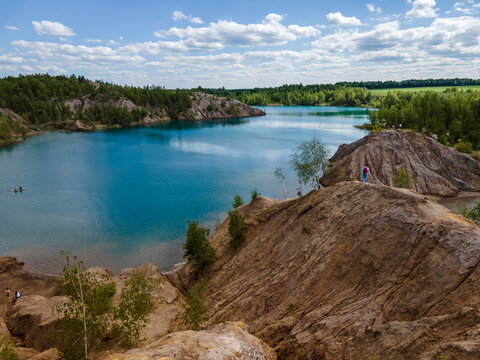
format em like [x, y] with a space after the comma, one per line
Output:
[120, 198]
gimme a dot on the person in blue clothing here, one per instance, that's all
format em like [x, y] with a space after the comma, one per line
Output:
[365, 172]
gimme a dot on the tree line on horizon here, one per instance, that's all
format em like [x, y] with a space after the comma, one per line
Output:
[410, 83]
[297, 94]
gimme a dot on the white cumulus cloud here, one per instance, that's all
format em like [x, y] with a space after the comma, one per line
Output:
[178, 15]
[422, 9]
[229, 33]
[338, 19]
[52, 28]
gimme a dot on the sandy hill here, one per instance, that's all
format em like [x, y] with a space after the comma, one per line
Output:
[349, 270]
[435, 169]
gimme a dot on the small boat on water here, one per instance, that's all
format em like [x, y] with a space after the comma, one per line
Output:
[19, 189]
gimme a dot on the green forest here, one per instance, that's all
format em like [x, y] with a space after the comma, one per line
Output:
[410, 83]
[453, 116]
[40, 99]
[297, 95]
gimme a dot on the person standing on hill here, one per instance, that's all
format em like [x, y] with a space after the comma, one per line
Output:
[365, 172]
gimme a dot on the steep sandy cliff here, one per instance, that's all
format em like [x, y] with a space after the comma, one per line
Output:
[434, 168]
[349, 270]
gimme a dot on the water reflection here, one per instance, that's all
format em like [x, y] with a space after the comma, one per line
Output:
[203, 148]
[339, 128]
[189, 125]
[343, 113]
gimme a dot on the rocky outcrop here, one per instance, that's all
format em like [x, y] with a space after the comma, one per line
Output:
[14, 128]
[434, 168]
[223, 341]
[349, 270]
[14, 276]
[29, 317]
[87, 102]
[206, 106]
[32, 320]
[31, 354]
[154, 114]
[166, 315]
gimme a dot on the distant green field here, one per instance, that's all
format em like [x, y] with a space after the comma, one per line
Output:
[383, 92]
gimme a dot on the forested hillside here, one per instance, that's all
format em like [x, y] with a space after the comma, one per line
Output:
[41, 99]
[453, 116]
[298, 95]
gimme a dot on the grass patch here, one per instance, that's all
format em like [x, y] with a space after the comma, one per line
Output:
[384, 92]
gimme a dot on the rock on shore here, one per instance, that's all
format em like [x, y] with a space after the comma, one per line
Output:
[349, 270]
[206, 106]
[435, 169]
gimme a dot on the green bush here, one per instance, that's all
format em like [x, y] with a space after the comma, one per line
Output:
[136, 303]
[6, 350]
[5, 129]
[195, 311]
[402, 179]
[237, 201]
[255, 193]
[472, 213]
[210, 107]
[233, 110]
[198, 251]
[464, 147]
[310, 161]
[237, 229]
[89, 315]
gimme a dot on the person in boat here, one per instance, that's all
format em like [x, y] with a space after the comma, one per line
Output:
[20, 189]
[15, 189]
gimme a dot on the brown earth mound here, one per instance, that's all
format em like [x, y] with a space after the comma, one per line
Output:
[349, 270]
[434, 168]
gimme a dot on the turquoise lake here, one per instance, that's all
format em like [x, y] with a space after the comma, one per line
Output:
[123, 197]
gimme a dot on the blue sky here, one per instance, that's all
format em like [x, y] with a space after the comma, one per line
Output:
[239, 44]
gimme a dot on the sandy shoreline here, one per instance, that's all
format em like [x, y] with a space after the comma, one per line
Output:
[165, 256]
